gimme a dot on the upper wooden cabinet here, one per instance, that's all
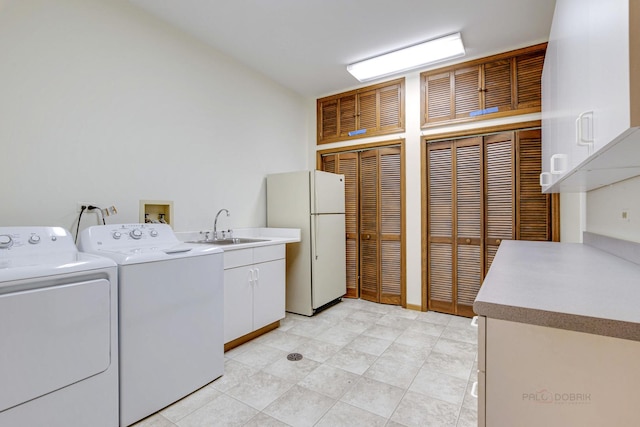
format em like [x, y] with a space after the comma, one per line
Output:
[497, 86]
[369, 111]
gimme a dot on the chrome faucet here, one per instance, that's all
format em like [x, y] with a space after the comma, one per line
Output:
[215, 224]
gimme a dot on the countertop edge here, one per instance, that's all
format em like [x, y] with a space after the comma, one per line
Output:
[566, 321]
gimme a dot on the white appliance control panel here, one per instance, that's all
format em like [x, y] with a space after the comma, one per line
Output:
[33, 240]
[119, 237]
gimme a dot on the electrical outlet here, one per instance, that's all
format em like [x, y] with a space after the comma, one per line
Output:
[79, 205]
[625, 215]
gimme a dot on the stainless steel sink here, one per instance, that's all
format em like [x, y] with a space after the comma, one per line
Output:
[230, 241]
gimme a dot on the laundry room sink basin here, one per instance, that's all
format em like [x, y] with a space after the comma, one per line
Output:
[230, 241]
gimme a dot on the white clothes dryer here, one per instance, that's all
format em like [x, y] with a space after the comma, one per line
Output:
[58, 332]
[170, 313]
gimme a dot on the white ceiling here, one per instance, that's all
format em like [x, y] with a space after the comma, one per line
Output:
[306, 44]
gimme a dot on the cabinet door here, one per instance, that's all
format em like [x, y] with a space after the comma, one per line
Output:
[268, 293]
[497, 85]
[348, 113]
[466, 91]
[529, 80]
[372, 110]
[238, 302]
[437, 98]
[367, 114]
[328, 119]
[391, 101]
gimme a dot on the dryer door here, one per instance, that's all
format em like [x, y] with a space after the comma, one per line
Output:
[52, 337]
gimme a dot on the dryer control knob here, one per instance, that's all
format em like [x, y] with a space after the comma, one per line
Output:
[135, 234]
[5, 241]
[34, 239]
[117, 235]
[153, 233]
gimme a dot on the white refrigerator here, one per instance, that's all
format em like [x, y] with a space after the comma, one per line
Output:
[312, 201]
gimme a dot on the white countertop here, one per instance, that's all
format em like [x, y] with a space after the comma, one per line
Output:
[271, 236]
[563, 285]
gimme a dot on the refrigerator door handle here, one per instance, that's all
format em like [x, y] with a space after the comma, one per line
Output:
[315, 240]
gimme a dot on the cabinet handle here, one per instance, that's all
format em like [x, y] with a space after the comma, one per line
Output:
[545, 179]
[561, 160]
[468, 240]
[580, 139]
[474, 389]
[257, 276]
[498, 241]
[250, 275]
[474, 321]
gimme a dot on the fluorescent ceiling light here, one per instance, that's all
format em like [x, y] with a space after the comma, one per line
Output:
[405, 59]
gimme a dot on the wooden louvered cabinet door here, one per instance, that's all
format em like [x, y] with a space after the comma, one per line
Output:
[369, 271]
[369, 111]
[328, 118]
[466, 94]
[440, 227]
[468, 223]
[390, 225]
[436, 93]
[528, 70]
[496, 86]
[499, 193]
[348, 112]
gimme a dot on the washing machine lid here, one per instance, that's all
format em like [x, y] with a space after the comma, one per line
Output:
[138, 243]
[34, 252]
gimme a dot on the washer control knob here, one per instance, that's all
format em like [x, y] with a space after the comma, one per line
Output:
[153, 233]
[135, 234]
[34, 239]
[117, 235]
[5, 241]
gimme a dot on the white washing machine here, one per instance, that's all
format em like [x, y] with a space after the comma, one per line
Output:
[170, 313]
[58, 332]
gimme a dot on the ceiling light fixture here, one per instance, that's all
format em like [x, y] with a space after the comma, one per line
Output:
[408, 58]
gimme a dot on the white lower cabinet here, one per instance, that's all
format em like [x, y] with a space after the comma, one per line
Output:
[254, 289]
[533, 375]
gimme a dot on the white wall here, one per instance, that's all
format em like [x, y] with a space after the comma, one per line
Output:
[103, 103]
[605, 206]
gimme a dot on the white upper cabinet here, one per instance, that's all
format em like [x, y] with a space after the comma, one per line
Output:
[590, 83]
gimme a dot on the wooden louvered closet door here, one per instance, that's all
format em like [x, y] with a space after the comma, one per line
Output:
[440, 193]
[347, 164]
[390, 226]
[380, 225]
[373, 203]
[454, 244]
[480, 191]
[468, 223]
[499, 192]
[533, 220]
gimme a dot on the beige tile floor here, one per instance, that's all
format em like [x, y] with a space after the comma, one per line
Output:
[364, 364]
